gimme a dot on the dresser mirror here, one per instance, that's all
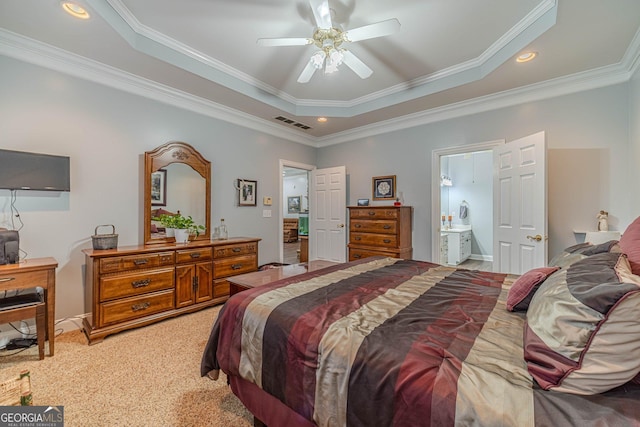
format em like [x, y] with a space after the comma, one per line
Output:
[177, 179]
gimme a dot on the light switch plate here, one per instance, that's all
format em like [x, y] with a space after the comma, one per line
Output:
[266, 201]
[266, 213]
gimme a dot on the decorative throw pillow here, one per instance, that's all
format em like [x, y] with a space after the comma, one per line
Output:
[581, 251]
[582, 333]
[526, 286]
[630, 245]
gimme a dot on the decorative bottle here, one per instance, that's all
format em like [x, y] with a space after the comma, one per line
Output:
[224, 234]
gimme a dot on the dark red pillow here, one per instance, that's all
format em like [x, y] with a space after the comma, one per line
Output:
[630, 245]
[525, 287]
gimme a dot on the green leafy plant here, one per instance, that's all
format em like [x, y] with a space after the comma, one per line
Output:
[186, 223]
[180, 222]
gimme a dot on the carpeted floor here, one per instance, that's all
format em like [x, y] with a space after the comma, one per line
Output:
[148, 376]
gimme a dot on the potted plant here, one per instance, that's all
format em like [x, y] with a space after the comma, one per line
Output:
[184, 227]
[167, 221]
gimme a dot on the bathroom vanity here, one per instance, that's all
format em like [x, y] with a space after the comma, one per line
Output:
[458, 243]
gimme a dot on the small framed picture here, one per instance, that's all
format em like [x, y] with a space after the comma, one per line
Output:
[384, 187]
[293, 204]
[363, 202]
[247, 192]
[159, 188]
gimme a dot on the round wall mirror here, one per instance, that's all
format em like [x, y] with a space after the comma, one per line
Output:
[177, 180]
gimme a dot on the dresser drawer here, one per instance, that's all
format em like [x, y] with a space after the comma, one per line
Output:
[359, 253]
[380, 226]
[369, 239]
[135, 307]
[374, 213]
[191, 255]
[112, 287]
[235, 250]
[23, 280]
[233, 266]
[220, 288]
[136, 262]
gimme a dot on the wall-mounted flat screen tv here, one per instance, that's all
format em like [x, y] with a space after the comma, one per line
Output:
[32, 171]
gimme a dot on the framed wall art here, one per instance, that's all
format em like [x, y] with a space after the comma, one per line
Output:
[384, 187]
[293, 204]
[247, 192]
[159, 188]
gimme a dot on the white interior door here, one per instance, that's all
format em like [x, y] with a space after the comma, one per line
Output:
[328, 214]
[520, 205]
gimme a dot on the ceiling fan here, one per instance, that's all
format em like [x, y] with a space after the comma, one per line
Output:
[329, 40]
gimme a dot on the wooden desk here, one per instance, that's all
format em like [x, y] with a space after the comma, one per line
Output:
[29, 274]
[243, 282]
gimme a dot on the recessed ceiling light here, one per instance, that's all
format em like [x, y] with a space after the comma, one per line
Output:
[322, 119]
[526, 57]
[75, 10]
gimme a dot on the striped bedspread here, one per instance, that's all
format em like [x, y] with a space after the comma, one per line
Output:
[390, 342]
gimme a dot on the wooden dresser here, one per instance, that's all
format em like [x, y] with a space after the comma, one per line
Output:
[380, 230]
[135, 286]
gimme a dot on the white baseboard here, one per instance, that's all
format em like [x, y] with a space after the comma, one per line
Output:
[479, 257]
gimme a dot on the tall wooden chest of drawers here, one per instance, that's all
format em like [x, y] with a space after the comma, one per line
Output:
[135, 286]
[380, 230]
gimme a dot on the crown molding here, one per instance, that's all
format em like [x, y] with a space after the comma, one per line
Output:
[38, 53]
[153, 43]
[588, 80]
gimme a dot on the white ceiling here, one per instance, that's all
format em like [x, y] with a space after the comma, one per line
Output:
[449, 55]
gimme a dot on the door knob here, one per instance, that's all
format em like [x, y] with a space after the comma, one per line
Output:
[537, 237]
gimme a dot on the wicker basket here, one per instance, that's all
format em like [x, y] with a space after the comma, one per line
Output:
[105, 241]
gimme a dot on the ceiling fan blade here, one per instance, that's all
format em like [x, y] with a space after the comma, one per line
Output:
[306, 74]
[321, 13]
[358, 67]
[379, 29]
[284, 41]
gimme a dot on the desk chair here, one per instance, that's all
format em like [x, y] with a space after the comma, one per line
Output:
[28, 303]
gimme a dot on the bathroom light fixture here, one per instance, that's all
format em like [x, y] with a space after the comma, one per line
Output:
[322, 119]
[75, 10]
[526, 57]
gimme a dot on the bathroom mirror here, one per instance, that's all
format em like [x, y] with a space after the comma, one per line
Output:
[177, 179]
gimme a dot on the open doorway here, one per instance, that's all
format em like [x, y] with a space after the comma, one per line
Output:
[462, 193]
[294, 211]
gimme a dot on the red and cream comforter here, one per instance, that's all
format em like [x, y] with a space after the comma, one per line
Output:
[390, 342]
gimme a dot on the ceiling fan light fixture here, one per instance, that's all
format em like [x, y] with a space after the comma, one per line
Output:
[317, 59]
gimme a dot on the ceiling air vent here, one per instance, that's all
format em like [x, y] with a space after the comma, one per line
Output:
[293, 122]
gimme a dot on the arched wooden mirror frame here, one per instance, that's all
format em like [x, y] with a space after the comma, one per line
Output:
[175, 152]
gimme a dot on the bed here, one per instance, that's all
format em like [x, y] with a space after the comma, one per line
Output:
[391, 342]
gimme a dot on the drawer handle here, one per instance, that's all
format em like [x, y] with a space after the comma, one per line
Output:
[357, 225]
[140, 283]
[236, 266]
[138, 307]
[372, 213]
[7, 279]
[386, 227]
[141, 261]
[236, 249]
[387, 241]
[357, 256]
[195, 255]
[357, 238]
